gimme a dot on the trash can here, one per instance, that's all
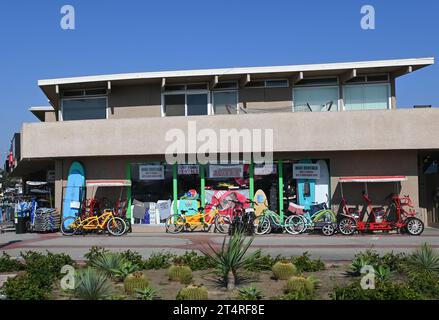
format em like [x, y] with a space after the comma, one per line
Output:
[20, 225]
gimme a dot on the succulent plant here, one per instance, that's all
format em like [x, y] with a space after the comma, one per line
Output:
[283, 270]
[193, 292]
[180, 273]
[92, 284]
[301, 287]
[135, 281]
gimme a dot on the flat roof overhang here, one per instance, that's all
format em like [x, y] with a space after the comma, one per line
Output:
[345, 70]
[40, 112]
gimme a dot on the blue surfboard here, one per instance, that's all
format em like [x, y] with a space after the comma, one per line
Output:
[306, 190]
[74, 191]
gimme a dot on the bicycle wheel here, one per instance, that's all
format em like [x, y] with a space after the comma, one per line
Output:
[174, 225]
[222, 224]
[295, 224]
[68, 226]
[116, 226]
[262, 225]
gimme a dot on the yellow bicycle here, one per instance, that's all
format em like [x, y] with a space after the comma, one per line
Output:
[106, 221]
[183, 221]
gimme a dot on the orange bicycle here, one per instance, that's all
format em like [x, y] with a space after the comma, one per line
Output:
[107, 221]
[183, 221]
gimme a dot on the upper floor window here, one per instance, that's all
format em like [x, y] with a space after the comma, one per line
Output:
[370, 78]
[315, 99]
[277, 83]
[185, 100]
[366, 96]
[84, 104]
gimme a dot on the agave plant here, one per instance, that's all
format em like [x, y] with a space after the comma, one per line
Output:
[249, 293]
[108, 262]
[149, 293]
[423, 261]
[383, 273]
[232, 257]
[125, 269]
[92, 284]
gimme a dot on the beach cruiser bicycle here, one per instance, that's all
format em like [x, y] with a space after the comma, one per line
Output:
[268, 219]
[243, 217]
[107, 221]
[186, 222]
[318, 217]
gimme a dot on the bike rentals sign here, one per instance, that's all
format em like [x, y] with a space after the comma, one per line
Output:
[306, 171]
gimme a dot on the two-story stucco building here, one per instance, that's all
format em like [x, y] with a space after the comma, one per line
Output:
[343, 113]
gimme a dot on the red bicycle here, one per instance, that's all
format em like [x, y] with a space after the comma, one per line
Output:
[400, 216]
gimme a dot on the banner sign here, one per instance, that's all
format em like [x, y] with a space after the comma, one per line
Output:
[151, 172]
[185, 169]
[226, 171]
[306, 171]
[265, 169]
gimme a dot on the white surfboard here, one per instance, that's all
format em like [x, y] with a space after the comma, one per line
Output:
[322, 184]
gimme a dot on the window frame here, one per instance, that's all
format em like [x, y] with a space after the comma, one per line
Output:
[225, 91]
[293, 101]
[186, 93]
[265, 84]
[61, 109]
[368, 84]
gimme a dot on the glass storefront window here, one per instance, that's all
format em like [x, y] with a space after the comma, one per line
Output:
[84, 109]
[315, 99]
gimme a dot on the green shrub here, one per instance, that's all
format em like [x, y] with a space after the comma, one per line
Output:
[107, 262]
[135, 281]
[423, 261]
[383, 273]
[92, 284]
[24, 288]
[232, 257]
[427, 285]
[304, 263]
[283, 270]
[180, 273]
[149, 293]
[93, 253]
[263, 262]
[357, 265]
[42, 269]
[249, 293]
[384, 290]
[300, 288]
[193, 292]
[194, 261]
[390, 261]
[161, 260]
[7, 264]
[134, 257]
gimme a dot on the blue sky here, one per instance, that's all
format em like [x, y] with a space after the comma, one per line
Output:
[133, 36]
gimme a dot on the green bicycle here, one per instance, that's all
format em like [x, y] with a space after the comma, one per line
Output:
[263, 224]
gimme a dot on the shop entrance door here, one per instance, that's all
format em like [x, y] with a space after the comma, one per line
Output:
[429, 186]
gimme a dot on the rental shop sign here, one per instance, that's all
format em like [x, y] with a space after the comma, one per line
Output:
[151, 172]
[306, 171]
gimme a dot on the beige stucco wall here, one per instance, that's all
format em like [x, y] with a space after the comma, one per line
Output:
[50, 116]
[408, 129]
[134, 101]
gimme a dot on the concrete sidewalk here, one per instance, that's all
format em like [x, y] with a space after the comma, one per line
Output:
[336, 248]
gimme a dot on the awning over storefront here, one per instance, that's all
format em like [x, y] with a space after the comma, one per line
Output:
[108, 183]
[373, 179]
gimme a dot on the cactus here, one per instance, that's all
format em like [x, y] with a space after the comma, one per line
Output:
[301, 287]
[180, 273]
[135, 281]
[283, 270]
[193, 292]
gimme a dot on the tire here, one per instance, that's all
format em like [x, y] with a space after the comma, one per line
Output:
[261, 225]
[66, 228]
[347, 226]
[414, 226]
[116, 226]
[328, 229]
[295, 225]
[222, 224]
[173, 227]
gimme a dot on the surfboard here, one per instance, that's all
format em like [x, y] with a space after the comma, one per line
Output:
[306, 190]
[322, 184]
[74, 191]
[261, 202]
